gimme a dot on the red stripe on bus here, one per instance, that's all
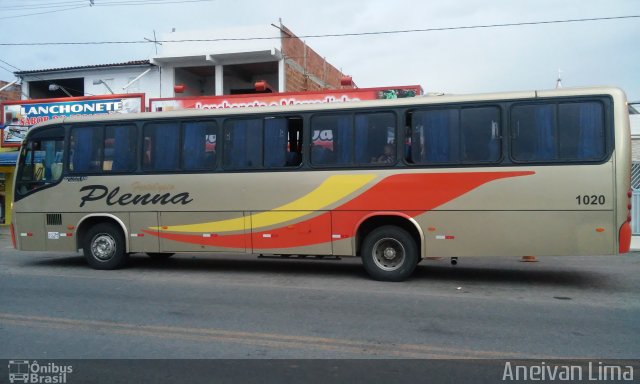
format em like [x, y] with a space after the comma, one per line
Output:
[409, 194]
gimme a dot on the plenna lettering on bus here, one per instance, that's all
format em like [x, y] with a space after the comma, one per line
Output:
[113, 197]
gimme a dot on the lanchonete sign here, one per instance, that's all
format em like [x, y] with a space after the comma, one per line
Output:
[19, 116]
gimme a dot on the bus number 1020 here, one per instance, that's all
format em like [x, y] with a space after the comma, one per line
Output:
[590, 199]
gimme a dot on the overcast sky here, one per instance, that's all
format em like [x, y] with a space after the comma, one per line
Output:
[456, 61]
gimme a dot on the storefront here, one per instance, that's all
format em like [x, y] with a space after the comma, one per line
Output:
[7, 168]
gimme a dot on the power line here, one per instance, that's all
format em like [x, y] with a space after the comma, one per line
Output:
[7, 69]
[481, 26]
[61, 4]
[11, 65]
[73, 4]
[43, 13]
[40, 78]
[147, 2]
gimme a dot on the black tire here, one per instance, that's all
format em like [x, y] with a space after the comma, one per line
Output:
[389, 253]
[159, 255]
[104, 247]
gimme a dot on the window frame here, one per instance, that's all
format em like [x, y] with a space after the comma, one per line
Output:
[67, 164]
[142, 126]
[352, 113]
[224, 166]
[182, 125]
[55, 132]
[607, 124]
[134, 127]
[459, 108]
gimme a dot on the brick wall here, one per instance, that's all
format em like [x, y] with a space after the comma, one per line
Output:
[311, 74]
[11, 93]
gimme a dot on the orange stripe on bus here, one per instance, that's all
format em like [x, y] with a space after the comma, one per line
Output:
[410, 194]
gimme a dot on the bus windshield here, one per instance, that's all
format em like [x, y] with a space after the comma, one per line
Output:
[40, 163]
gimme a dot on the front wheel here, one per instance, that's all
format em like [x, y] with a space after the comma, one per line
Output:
[389, 253]
[104, 247]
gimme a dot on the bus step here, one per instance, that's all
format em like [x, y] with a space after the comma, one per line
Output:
[300, 257]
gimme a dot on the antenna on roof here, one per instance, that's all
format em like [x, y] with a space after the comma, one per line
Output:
[559, 80]
[154, 41]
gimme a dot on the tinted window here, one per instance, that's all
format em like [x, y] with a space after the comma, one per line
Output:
[375, 138]
[199, 140]
[581, 134]
[332, 139]
[336, 140]
[120, 144]
[480, 134]
[243, 143]
[435, 136]
[454, 136]
[161, 142]
[558, 132]
[86, 147]
[275, 142]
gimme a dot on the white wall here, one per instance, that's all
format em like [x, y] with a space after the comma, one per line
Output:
[635, 125]
[117, 78]
[201, 48]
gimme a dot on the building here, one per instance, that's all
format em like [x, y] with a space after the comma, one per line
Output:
[185, 65]
[9, 91]
[189, 68]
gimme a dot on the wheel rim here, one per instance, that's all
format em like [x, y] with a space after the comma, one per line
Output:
[103, 246]
[388, 254]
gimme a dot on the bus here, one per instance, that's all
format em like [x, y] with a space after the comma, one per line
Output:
[541, 173]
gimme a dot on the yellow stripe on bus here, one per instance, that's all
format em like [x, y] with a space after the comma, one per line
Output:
[332, 190]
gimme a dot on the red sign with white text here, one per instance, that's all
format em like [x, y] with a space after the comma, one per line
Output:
[283, 99]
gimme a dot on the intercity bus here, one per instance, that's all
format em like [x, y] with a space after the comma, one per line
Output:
[390, 181]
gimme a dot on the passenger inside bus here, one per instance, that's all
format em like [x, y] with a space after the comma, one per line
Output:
[388, 155]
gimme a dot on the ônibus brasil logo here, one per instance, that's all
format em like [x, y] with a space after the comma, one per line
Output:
[25, 371]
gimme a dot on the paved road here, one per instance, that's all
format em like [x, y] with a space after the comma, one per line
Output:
[207, 306]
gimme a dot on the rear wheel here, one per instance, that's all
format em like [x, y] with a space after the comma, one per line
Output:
[159, 255]
[104, 247]
[389, 253]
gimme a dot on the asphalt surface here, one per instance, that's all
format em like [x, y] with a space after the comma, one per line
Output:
[53, 306]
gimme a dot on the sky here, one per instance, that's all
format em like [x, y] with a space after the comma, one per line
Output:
[451, 61]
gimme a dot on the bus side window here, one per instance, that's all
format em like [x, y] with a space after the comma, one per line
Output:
[282, 142]
[243, 143]
[332, 141]
[563, 132]
[86, 145]
[275, 142]
[120, 144]
[582, 134]
[199, 141]
[375, 138]
[435, 136]
[294, 142]
[480, 134]
[161, 142]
